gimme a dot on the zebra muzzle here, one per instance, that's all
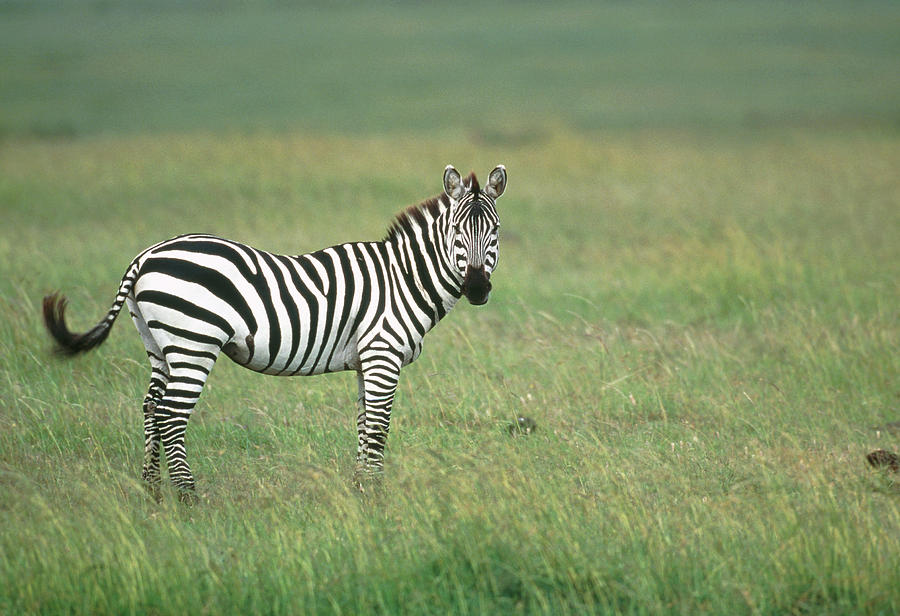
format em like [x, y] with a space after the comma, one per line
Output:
[476, 285]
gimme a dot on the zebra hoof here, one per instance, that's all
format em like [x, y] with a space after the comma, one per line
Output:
[367, 481]
[154, 492]
[521, 426]
[187, 497]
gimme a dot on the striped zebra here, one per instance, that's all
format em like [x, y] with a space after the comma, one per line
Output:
[362, 306]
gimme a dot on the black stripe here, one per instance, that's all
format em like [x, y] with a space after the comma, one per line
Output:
[172, 404]
[261, 285]
[371, 278]
[310, 300]
[191, 381]
[184, 333]
[178, 365]
[436, 304]
[290, 305]
[181, 393]
[305, 261]
[406, 299]
[190, 352]
[330, 299]
[344, 255]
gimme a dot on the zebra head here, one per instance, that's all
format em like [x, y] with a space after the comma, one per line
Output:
[473, 230]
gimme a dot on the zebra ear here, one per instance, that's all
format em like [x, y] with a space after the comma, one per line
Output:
[496, 183]
[453, 185]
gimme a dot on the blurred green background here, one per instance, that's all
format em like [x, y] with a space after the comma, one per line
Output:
[495, 70]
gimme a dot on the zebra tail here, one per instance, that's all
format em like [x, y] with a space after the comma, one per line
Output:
[69, 343]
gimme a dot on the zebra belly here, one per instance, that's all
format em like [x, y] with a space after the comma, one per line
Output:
[251, 352]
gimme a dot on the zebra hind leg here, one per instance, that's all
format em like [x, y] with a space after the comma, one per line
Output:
[150, 472]
[172, 414]
[159, 379]
[181, 361]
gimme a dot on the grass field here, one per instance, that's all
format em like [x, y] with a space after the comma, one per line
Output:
[698, 305]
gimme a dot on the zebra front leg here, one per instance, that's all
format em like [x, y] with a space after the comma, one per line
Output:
[361, 448]
[379, 378]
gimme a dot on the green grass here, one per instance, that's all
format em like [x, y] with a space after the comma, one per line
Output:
[705, 333]
[697, 302]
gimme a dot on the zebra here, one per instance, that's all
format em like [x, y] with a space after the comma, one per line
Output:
[361, 306]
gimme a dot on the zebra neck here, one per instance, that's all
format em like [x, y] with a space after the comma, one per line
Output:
[426, 279]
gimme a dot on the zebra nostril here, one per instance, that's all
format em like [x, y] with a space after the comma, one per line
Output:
[476, 285]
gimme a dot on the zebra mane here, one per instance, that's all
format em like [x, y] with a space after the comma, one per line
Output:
[472, 182]
[419, 215]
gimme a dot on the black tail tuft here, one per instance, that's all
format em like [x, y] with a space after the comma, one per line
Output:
[67, 342]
